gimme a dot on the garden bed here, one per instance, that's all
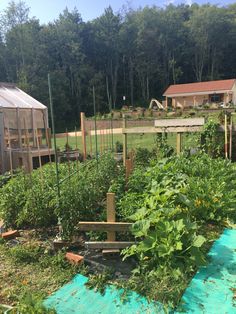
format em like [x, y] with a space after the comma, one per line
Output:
[178, 207]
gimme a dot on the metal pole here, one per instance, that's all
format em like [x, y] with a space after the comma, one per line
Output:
[55, 146]
[112, 139]
[95, 123]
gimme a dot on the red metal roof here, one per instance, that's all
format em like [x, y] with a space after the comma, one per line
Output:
[200, 87]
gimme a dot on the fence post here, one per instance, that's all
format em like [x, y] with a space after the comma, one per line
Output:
[178, 143]
[124, 140]
[83, 131]
[111, 215]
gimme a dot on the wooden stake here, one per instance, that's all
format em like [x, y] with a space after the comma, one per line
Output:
[83, 131]
[178, 143]
[128, 168]
[111, 215]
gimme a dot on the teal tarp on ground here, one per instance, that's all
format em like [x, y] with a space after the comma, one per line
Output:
[211, 290]
[75, 298]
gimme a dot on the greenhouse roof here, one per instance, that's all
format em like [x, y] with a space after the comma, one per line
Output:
[12, 97]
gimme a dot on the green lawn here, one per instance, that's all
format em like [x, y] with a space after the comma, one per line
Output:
[104, 142]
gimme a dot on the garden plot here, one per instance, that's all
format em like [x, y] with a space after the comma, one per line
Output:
[177, 206]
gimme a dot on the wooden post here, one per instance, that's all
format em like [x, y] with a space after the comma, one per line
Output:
[124, 141]
[111, 215]
[83, 131]
[128, 168]
[178, 143]
[226, 137]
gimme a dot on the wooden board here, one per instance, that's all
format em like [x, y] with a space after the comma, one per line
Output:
[104, 226]
[108, 245]
[163, 123]
[143, 130]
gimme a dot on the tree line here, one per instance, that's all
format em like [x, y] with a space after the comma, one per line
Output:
[132, 53]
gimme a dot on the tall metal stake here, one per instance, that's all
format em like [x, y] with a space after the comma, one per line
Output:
[95, 123]
[55, 149]
[112, 139]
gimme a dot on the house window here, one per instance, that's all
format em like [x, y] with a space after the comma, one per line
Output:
[216, 98]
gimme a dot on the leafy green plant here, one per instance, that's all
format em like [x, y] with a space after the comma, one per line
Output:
[30, 304]
[99, 281]
[211, 140]
[25, 254]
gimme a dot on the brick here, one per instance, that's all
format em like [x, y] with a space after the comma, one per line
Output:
[74, 258]
[10, 234]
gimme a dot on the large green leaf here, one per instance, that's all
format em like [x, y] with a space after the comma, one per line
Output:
[198, 241]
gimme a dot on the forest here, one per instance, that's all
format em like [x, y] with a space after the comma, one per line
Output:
[132, 53]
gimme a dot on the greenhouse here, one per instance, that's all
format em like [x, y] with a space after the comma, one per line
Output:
[24, 132]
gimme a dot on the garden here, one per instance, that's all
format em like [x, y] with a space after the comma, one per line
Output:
[178, 206]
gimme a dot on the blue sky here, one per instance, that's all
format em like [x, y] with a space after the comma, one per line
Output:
[48, 10]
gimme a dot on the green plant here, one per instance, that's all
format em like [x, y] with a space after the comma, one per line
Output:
[28, 253]
[99, 281]
[118, 147]
[162, 147]
[211, 140]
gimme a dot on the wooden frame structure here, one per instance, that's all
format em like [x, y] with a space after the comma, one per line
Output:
[111, 227]
[178, 126]
[23, 126]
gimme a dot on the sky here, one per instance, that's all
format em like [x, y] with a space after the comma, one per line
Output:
[49, 10]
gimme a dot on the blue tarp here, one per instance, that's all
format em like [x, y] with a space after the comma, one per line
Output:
[211, 291]
[213, 288]
[75, 297]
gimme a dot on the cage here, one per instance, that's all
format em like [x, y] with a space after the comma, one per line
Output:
[25, 138]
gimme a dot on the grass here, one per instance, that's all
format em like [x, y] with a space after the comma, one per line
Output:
[30, 268]
[104, 142]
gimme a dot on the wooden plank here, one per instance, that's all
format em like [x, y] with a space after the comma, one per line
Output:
[104, 226]
[70, 134]
[163, 123]
[111, 215]
[143, 130]
[108, 245]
